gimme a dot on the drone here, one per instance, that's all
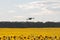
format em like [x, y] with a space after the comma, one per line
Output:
[30, 18]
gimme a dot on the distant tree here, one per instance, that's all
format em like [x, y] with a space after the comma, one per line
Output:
[28, 24]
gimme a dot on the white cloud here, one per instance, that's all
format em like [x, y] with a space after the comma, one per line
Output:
[36, 4]
[56, 4]
[18, 17]
[32, 5]
[40, 4]
[11, 11]
[43, 12]
[52, 0]
[46, 8]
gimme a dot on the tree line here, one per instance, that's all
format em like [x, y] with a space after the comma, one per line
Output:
[29, 24]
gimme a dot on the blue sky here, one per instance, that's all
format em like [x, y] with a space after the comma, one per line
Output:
[20, 10]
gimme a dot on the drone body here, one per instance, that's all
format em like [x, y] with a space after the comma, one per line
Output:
[30, 18]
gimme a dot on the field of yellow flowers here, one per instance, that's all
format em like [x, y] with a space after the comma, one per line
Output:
[30, 33]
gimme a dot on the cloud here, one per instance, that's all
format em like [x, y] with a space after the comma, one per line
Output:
[18, 17]
[43, 12]
[32, 5]
[50, 4]
[54, 6]
[11, 11]
[46, 7]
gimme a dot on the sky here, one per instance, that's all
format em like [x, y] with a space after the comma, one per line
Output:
[20, 10]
